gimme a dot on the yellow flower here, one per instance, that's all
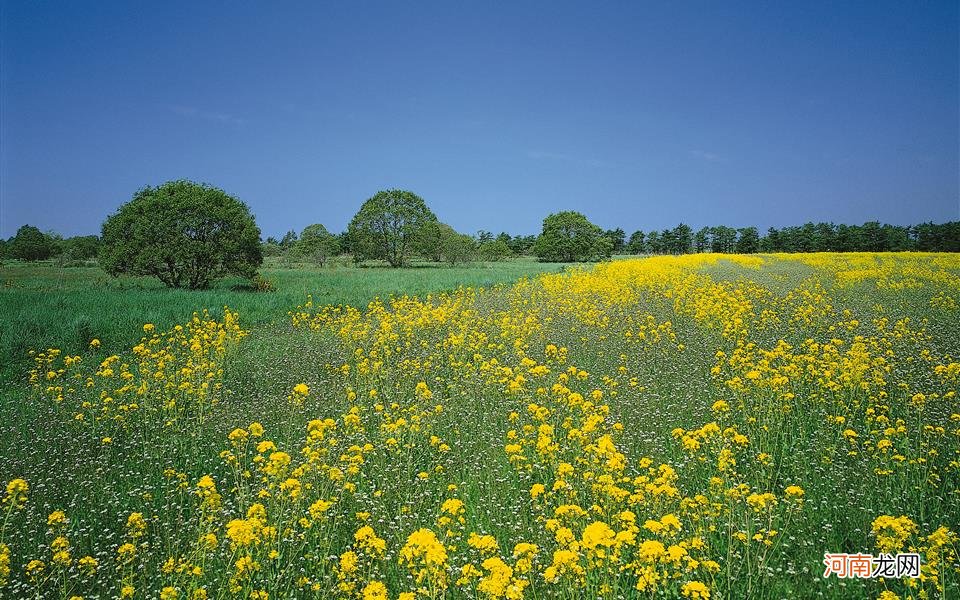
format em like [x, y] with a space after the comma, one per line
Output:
[892, 532]
[169, 593]
[16, 493]
[136, 525]
[126, 552]
[243, 532]
[366, 538]
[794, 491]
[57, 519]
[375, 590]
[695, 590]
[483, 543]
[596, 534]
[88, 565]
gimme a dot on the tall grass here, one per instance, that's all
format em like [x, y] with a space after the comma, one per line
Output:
[43, 305]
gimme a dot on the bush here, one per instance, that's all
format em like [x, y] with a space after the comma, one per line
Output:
[183, 233]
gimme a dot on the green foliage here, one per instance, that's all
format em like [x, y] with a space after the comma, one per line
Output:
[81, 247]
[569, 237]
[386, 225]
[495, 251]
[749, 240]
[185, 234]
[430, 238]
[617, 239]
[32, 244]
[637, 243]
[316, 244]
[458, 248]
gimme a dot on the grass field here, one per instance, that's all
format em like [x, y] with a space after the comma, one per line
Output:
[43, 305]
[702, 426]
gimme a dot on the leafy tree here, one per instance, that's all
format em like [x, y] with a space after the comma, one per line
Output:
[81, 247]
[458, 247]
[183, 233]
[288, 241]
[637, 243]
[316, 244]
[429, 240]
[723, 239]
[386, 225]
[681, 239]
[654, 243]
[749, 240]
[32, 244]
[495, 251]
[617, 239]
[484, 236]
[271, 247]
[522, 244]
[700, 239]
[568, 236]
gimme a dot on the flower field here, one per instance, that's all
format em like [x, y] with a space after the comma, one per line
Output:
[703, 426]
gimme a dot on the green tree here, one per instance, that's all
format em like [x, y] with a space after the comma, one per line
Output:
[617, 239]
[749, 241]
[458, 247]
[654, 243]
[183, 233]
[723, 239]
[385, 226]
[681, 239]
[32, 244]
[495, 251]
[700, 239]
[316, 244]
[568, 237]
[81, 247]
[637, 243]
[429, 240]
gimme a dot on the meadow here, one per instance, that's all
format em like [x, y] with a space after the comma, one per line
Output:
[46, 305]
[702, 426]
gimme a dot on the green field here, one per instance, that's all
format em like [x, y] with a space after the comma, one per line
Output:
[43, 305]
[703, 426]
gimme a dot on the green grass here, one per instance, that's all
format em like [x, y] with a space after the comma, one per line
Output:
[43, 305]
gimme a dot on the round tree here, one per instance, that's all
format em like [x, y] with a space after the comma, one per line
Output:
[32, 244]
[316, 244]
[386, 226]
[183, 233]
[568, 236]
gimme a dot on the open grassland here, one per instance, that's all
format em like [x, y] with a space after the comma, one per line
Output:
[46, 306]
[701, 426]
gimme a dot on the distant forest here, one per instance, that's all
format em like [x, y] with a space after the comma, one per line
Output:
[32, 244]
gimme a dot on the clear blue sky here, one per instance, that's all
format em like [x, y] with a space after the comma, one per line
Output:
[640, 115]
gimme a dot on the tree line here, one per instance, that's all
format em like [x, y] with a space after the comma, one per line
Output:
[188, 234]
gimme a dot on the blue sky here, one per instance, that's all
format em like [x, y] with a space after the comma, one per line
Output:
[640, 115]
